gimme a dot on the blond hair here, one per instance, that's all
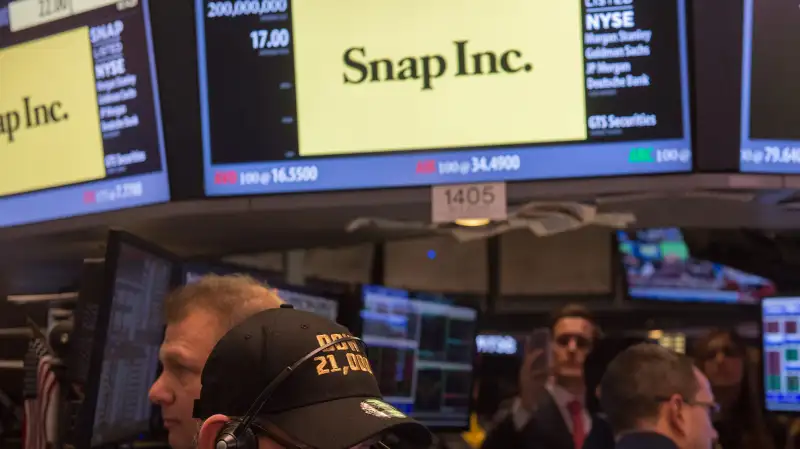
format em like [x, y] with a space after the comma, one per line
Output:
[232, 298]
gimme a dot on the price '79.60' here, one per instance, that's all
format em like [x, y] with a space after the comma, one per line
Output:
[472, 195]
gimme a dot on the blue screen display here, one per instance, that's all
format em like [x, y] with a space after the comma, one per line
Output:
[421, 352]
[658, 266]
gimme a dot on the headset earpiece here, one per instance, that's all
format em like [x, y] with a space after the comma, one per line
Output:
[227, 438]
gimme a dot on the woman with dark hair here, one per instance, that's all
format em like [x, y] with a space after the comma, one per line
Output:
[601, 436]
[722, 356]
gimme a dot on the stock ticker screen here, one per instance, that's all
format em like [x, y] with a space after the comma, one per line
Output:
[421, 352]
[80, 127]
[781, 349]
[130, 356]
[770, 98]
[320, 95]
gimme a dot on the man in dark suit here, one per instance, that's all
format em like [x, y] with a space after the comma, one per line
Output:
[550, 411]
[655, 398]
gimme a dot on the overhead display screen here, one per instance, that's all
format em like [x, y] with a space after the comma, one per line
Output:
[80, 129]
[658, 267]
[320, 95]
[770, 98]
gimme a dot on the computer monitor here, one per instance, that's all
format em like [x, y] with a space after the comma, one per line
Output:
[302, 298]
[129, 328]
[422, 353]
[658, 267]
[780, 347]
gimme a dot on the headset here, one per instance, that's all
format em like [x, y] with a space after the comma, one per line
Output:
[238, 434]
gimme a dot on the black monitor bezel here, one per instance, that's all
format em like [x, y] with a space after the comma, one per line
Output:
[116, 239]
[357, 328]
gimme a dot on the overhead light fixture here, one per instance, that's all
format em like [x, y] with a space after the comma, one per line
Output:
[473, 222]
[655, 334]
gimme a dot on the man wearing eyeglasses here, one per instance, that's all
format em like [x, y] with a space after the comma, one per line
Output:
[550, 411]
[285, 378]
[656, 399]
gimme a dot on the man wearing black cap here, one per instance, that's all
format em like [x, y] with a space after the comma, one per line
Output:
[285, 378]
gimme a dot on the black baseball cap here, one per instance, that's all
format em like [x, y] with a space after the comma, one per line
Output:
[331, 401]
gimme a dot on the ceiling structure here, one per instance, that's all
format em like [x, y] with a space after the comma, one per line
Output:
[242, 225]
[217, 227]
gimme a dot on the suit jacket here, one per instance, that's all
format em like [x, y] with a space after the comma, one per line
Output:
[645, 440]
[545, 430]
[601, 436]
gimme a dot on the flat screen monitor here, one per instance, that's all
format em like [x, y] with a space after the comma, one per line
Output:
[658, 266]
[298, 297]
[317, 95]
[422, 354]
[80, 125]
[128, 333]
[781, 343]
[770, 98]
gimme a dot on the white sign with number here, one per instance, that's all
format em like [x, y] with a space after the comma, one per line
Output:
[469, 201]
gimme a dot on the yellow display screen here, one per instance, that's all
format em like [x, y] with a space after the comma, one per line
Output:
[80, 128]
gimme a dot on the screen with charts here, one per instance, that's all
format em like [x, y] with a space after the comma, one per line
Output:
[658, 266]
[422, 353]
[770, 98]
[317, 95]
[781, 340]
[132, 340]
[80, 127]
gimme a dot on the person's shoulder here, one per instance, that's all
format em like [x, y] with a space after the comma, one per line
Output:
[645, 440]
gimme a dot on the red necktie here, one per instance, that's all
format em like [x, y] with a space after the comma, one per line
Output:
[578, 431]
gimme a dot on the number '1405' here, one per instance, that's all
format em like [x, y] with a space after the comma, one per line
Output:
[471, 195]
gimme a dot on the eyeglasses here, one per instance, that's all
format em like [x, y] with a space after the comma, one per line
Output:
[288, 444]
[712, 407]
[581, 342]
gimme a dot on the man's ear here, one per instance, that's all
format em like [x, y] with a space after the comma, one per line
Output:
[209, 431]
[675, 410]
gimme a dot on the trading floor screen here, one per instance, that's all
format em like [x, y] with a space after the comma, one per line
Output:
[781, 337]
[80, 125]
[320, 95]
[130, 356]
[770, 97]
[422, 354]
